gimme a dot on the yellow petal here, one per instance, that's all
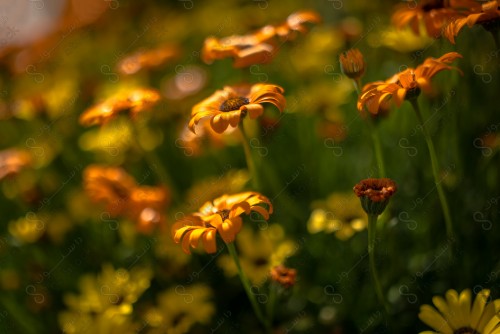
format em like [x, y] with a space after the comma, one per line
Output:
[478, 307]
[443, 307]
[488, 314]
[431, 317]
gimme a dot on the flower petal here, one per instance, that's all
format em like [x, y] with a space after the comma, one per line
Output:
[431, 317]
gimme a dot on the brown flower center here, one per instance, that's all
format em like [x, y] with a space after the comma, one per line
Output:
[466, 330]
[233, 104]
[224, 214]
[260, 261]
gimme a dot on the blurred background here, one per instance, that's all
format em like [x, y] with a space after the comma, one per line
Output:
[69, 263]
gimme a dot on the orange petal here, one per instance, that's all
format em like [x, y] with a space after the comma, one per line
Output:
[209, 241]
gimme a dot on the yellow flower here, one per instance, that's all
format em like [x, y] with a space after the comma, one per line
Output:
[106, 301]
[179, 309]
[404, 85]
[455, 315]
[259, 252]
[222, 216]
[228, 106]
[27, 229]
[340, 213]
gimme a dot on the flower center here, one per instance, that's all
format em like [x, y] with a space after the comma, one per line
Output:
[466, 330]
[233, 104]
[224, 214]
[408, 82]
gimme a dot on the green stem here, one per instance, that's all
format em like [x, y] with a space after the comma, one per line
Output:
[374, 133]
[357, 85]
[372, 226]
[435, 171]
[249, 157]
[377, 146]
[246, 286]
[272, 301]
[155, 163]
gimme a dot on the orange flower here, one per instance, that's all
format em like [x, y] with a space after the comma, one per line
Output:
[12, 161]
[123, 197]
[228, 106]
[352, 64]
[283, 276]
[258, 47]
[245, 50]
[223, 215]
[486, 14]
[296, 23]
[147, 59]
[109, 185]
[434, 13]
[375, 194]
[404, 85]
[134, 101]
[377, 190]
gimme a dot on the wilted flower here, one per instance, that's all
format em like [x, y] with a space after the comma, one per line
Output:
[222, 216]
[229, 106]
[260, 46]
[134, 102]
[455, 314]
[375, 194]
[404, 85]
